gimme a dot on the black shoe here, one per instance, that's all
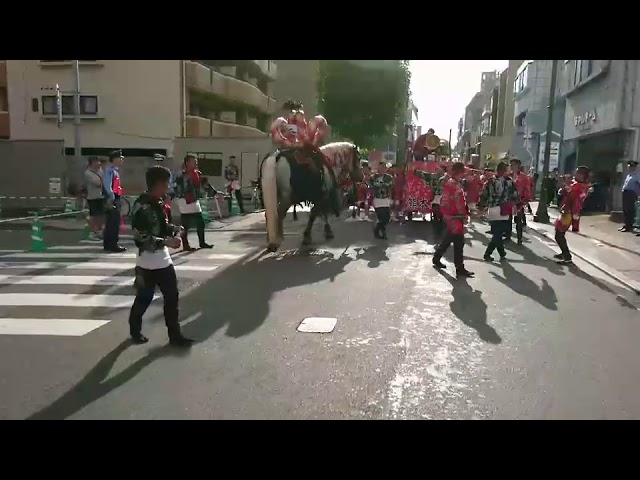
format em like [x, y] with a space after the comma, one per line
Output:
[180, 341]
[559, 256]
[623, 229]
[376, 233]
[139, 339]
[117, 249]
[205, 245]
[488, 258]
[384, 235]
[503, 255]
[463, 272]
[438, 264]
[519, 241]
[565, 262]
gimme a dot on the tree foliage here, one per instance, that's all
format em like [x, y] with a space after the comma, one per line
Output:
[362, 99]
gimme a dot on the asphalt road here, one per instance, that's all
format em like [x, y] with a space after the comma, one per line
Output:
[525, 339]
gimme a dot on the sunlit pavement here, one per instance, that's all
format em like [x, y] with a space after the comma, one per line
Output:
[524, 339]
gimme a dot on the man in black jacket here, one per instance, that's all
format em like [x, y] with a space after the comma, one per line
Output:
[154, 235]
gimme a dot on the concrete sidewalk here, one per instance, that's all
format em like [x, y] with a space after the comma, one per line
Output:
[601, 245]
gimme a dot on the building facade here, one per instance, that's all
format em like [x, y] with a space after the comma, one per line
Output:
[140, 106]
[531, 88]
[602, 119]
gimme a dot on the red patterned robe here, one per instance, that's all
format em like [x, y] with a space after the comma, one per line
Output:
[453, 206]
[473, 188]
[572, 202]
[523, 185]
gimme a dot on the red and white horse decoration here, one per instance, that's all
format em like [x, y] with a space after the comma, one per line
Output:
[295, 130]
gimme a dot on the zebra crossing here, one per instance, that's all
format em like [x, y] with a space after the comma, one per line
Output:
[73, 290]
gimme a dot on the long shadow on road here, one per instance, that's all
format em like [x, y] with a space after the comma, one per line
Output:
[239, 298]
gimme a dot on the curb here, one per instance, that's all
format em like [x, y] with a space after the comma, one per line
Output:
[618, 277]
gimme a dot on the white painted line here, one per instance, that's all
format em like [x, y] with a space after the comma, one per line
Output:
[99, 242]
[11, 251]
[120, 267]
[318, 325]
[53, 255]
[52, 326]
[65, 300]
[223, 256]
[64, 280]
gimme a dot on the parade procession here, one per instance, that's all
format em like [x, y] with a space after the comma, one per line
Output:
[310, 251]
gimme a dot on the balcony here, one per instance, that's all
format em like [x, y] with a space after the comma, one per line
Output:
[4, 125]
[69, 63]
[203, 79]
[198, 126]
[268, 68]
[231, 130]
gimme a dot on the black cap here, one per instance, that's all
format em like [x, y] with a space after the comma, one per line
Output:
[515, 160]
[115, 154]
[633, 163]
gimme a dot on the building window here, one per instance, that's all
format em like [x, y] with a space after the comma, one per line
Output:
[520, 82]
[209, 163]
[88, 105]
[4, 102]
[582, 70]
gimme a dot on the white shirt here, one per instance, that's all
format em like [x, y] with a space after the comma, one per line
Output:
[381, 202]
[154, 260]
[188, 208]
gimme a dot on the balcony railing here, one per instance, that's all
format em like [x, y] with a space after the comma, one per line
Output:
[198, 126]
[204, 127]
[204, 79]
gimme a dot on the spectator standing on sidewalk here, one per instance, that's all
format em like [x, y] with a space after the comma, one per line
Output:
[572, 202]
[232, 177]
[630, 192]
[95, 197]
[189, 189]
[113, 191]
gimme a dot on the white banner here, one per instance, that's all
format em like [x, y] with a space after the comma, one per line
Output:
[553, 156]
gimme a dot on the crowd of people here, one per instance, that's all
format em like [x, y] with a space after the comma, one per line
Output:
[502, 196]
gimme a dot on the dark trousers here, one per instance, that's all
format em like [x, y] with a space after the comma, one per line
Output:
[561, 240]
[629, 198]
[521, 222]
[498, 229]
[112, 225]
[190, 220]
[384, 216]
[238, 194]
[458, 248]
[146, 282]
[509, 231]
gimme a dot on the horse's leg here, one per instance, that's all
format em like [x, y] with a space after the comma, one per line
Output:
[283, 207]
[328, 232]
[306, 239]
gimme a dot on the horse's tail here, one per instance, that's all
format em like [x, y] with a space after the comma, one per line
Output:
[270, 197]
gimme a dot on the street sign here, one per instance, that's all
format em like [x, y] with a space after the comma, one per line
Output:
[553, 156]
[55, 186]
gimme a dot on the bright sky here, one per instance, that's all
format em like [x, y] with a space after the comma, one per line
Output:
[441, 89]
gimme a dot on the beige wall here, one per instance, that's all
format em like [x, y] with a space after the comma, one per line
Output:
[139, 102]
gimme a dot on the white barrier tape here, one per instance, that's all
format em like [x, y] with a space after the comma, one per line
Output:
[43, 216]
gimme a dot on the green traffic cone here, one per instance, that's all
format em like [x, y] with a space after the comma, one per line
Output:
[37, 239]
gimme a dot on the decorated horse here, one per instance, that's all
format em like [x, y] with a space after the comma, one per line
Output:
[302, 174]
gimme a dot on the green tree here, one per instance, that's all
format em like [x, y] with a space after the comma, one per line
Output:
[362, 99]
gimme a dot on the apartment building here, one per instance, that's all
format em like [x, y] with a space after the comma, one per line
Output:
[145, 107]
[298, 80]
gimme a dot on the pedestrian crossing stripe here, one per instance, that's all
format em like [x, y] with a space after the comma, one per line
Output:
[65, 300]
[64, 327]
[119, 267]
[103, 255]
[90, 280]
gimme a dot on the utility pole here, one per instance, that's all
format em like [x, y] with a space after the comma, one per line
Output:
[450, 143]
[542, 215]
[77, 144]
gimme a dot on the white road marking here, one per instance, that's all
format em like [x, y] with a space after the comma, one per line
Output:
[52, 326]
[66, 300]
[64, 280]
[104, 255]
[317, 325]
[121, 267]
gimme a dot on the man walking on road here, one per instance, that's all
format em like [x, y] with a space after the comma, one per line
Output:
[232, 177]
[630, 192]
[154, 235]
[382, 186]
[95, 197]
[113, 191]
[455, 213]
[572, 202]
[500, 197]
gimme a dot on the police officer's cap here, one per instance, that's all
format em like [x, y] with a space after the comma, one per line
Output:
[115, 154]
[158, 157]
[633, 163]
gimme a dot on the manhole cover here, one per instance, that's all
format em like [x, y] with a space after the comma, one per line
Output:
[318, 325]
